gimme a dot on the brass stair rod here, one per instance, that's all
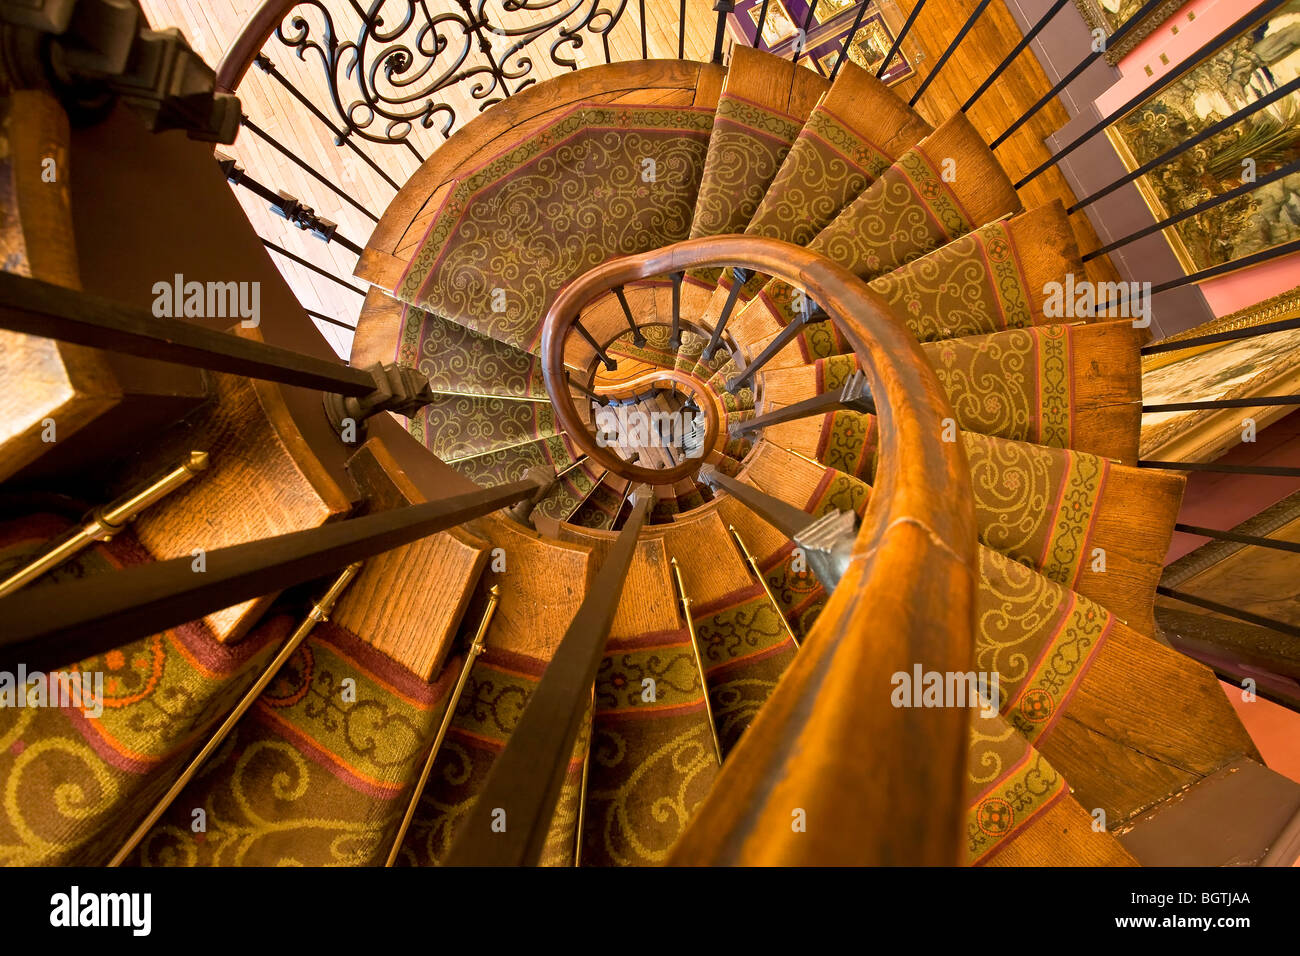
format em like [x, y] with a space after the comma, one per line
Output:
[475, 649]
[105, 522]
[319, 612]
[811, 461]
[699, 661]
[582, 792]
[753, 565]
[569, 467]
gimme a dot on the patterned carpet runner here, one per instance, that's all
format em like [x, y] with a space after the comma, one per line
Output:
[78, 778]
[603, 181]
[459, 360]
[748, 145]
[318, 773]
[652, 760]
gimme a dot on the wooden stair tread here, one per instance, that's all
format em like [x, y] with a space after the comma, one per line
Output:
[541, 589]
[262, 480]
[710, 566]
[1062, 835]
[1144, 721]
[409, 602]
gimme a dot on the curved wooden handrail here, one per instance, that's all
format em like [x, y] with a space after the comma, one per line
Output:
[872, 783]
[583, 438]
[249, 43]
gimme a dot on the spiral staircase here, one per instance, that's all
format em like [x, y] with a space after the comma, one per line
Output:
[706, 228]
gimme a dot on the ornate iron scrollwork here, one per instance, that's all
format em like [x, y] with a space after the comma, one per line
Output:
[393, 77]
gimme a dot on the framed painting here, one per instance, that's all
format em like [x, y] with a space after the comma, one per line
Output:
[777, 26]
[830, 24]
[1110, 15]
[868, 49]
[1246, 69]
[1237, 369]
[827, 9]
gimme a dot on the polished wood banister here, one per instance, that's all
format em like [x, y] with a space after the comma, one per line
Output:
[870, 783]
[69, 315]
[555, 375]
[64, 623]
[241, 54]
[526, 778]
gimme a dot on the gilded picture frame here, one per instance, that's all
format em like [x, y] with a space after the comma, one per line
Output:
[1110, 15]
[1265, 56]
[778, 27]
[869, 47]
[1237, 369]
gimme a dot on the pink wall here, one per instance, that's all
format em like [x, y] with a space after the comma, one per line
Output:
[1195, 22]
[1237, 290]
[1274, 729]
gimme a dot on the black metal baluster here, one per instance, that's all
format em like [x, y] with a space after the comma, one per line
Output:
[1212, 130]
[645, 50]
[1257, 401]
[1199, 208]
[1083, 64]
[341, 138]
[723, 7]
[41, 308]
[70, 621]
[758, 30]
[782, 515]
[1015, 52]
[855, 396]
[738, 278]
[528, 775]
[1236, 651]
[298, 161]
[808, 408]
[1230, 335]
[1237, 613]
[681, 32]
[584, 390]
[898, 40]
[637, 338]
[848, 38]
[1271, 471]
[1258, 542]
[288, 207]
[312, 266]
[956, 41]
[476, 25]
[779, 341]
[330, 319]
[675, 340]
[801, 40]
[1142, 96]
[600, 352]
[1277, 252]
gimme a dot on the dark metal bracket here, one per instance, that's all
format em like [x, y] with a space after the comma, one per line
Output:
[398, 388]
[94, 53]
